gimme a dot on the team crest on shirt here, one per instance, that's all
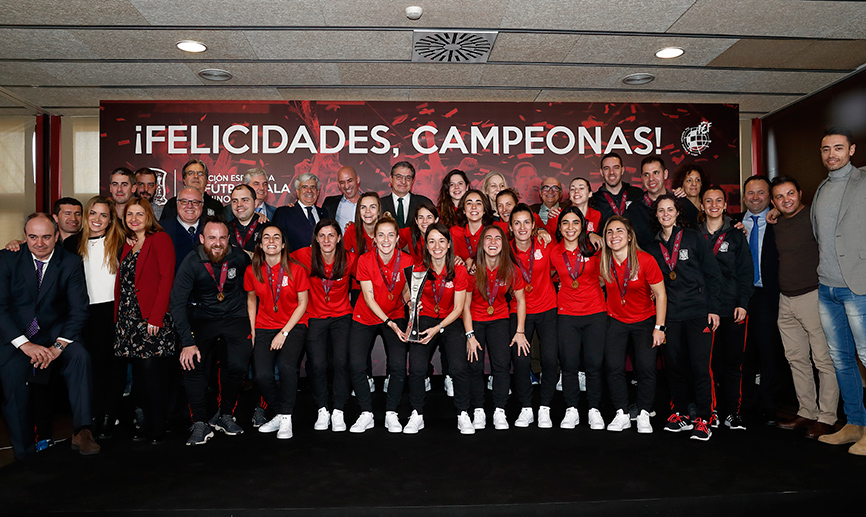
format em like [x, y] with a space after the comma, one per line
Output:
[724, 247]
[539, 254]
[232, 273]
[590, 226]
[684, 254]
[285, 281]
[210, 211]
[449, 285]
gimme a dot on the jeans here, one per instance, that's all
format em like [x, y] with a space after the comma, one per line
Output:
[843, 316]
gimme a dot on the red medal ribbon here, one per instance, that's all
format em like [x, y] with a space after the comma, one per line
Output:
[243, 241]
[671, 261]
[526, 272]
[327, 283]
[624, 285]
[492, 291]
[275, 290]
[718, 243]
[621, 209]
[438, 287]
[395, 274]
[468, 242]
[223, 274]
[568, 264]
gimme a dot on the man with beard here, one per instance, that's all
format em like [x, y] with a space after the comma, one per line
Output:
[209, 307]
[146, 186]
[614, 196]
[342, 206]
[243, 226]
[121, 186]
[195, 175]
[653, 174]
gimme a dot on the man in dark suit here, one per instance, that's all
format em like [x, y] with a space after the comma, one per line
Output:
[400, 201]
[299, 220]
[257, 178]
[764, 351]
[184, 227]
[195, 175]
[342, 206]
[43, 308]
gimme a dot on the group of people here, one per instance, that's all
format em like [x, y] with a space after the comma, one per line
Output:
[597, 280]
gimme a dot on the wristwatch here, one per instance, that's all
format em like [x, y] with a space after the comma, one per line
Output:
[60, 345]
[441, 328]
[470, 334]
[662, 328]
[285, 334]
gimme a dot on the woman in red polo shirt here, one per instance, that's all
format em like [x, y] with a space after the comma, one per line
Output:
[533, 263]
[277, 295]
[359, 235]
[476, 214]
[380, 309]
[442, 301]
[486, 322]
[581, 319]
[636, 306]
[330, 268]
[412, 237]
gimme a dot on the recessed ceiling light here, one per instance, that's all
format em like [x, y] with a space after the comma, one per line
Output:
[189, 45]
[215, 74]
[669, 52]
[639, 78]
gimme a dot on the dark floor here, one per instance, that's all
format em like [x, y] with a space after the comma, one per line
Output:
[438, 471]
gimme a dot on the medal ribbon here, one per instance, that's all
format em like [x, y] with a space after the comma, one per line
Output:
[621, 209]
[647, 200]
[223, 274]
[250, 231]
[718, 243]
[438, 288]
[468, 242]
[327, 283]
[275, 290]
[526, 272]
[671, 261]
[624, 286]
[492, 292]
[394, 274]
[568, 264]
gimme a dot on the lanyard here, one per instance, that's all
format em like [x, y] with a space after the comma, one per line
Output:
[222, 281]
[624, 285]
[526, 272]
[621, 209]
[243, 241]
[574, 277]
[275, 290]
[671, 259]
[395, 274]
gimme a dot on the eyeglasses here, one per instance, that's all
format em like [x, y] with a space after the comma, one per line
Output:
[401, 177]
[551, 188]
[190, 202]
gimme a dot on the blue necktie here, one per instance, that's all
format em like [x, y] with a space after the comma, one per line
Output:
[310, 217]
[753, 245]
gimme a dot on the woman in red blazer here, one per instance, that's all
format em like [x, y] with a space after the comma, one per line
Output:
[144, 330]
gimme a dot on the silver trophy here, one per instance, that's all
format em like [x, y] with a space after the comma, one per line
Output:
[416, 287]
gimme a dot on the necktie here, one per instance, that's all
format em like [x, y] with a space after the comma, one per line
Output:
[191, 230]
[753, 246]
[401, 217]
[310, 218]
[33, 328]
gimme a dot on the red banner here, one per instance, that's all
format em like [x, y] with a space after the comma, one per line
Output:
[564, 140]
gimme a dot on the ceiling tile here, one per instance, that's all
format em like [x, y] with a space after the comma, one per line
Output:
[534, 48]
[410, 74]
[78, 97]
[481, 95]
[71, 12]
[641, 50]
[771, 53]
[323, 44]
[602, 15]
[437, 13]
[344, 94]
[246, 13]
[790, 81]
[205, 93]
[541, 76]
[116, 74]
[274, 73]
[160, 44]
[42, 44]
[23, 74]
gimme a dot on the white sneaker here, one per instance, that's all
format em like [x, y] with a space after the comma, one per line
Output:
[338, 423]
[570, 421]
[426, 383]
[620, 422]
[449, 386]
[415, 423]
[323, 420]
[385, 386]
[271, 426]
[500, 423]
[596, 422]
[285, 431]
[544, 421]
[581, 380]
[364, 422]
[559, 383]
[392, 422]
[464, 423]
[523, 419]
[479, 419]
[372, 384]
[643, 422]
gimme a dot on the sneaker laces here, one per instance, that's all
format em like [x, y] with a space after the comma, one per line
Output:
[675, 418]
[701, 426]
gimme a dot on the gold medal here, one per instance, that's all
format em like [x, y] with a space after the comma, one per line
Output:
[220, 297]
[327, 298]
[436, 309]
[622, 301]
[574, 284]
[490, 310]
[528, 288]
[391, 297]
[673, 275]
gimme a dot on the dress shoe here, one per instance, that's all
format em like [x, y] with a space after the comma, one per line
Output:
[106, 427]
[797, 423]
[84, 443]
[859, 448]
[818, 429]
[848, 434]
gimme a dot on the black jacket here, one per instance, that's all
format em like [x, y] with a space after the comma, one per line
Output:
[645, 223]
[196, 291]
[696, 291]
[599, 200]
[735, 264]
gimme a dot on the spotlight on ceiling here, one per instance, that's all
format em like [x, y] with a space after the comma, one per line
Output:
[637, 79]
[215, 74]
[189, 45]
[414, 12]
[669, 52]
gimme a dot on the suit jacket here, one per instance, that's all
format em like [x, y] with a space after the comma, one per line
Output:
[330, 205]
[154, 275]
[850, 244]
[295, 225]
[228, 215]
[769, 257]
[181, 239]
[59, 306]
[414, 199]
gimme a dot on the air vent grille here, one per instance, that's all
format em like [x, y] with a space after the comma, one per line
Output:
[452, 47]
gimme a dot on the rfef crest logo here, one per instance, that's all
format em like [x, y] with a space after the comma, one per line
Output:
[696, 140]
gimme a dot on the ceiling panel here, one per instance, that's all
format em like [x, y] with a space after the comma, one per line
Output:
[344, 94]
[424, 94]
[206, 93]
[23, 74]
[541, 76]
[79, 97]
[642, 49]
[118, 74]
[775, 18]
[160, 44]
[536, 48]
[70, 12]
[42, 44]
[437, 13]
[274, 73]
[231, 13]
[785, 81]
[595, 15]
[409, 74]
[772, 53]
[323, 44]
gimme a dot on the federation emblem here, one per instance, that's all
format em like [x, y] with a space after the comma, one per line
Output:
[539, 255]
[232, 273]
[285, 281]
[449, 285]
[724, 247]
[684, 255]
[696, 140]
